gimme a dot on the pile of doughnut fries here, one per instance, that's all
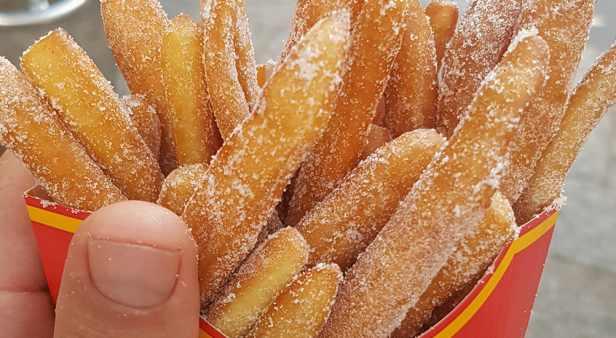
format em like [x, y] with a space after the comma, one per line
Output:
[358, 186]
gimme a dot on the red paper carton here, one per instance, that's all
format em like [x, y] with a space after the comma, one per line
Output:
[499, 306]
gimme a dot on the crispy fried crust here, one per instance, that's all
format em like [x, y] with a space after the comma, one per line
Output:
[32, 130]
[249, 173]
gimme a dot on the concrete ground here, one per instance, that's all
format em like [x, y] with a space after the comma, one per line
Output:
[577, 295]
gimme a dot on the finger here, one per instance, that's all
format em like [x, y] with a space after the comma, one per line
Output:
[25, 305]
[131, 271]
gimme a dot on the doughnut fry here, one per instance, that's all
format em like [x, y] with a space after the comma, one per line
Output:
[91, 110]
[258, 281]
[592, 98]
[341, 226]
[303, 307]
[374, 45]
[246, 64]
[145, 119]
[250, 171]
[377, 137]
[564, 25]
[443, 18]
[309, 12]
[474, 254]
[186, 92]
[226, 51]
[31, 129]
[179, 187]
[478, 44]
[134, 31]
[451, 196]
[412, 90]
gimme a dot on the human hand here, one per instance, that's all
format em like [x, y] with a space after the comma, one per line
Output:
[131, 271]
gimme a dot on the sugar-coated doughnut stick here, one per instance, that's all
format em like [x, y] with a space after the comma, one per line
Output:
[134, 31]
[564, 25]
[592, 98]
[478, 44]
[258, 281]
[145, 119]
[221, 56]
[450, 197]
[374, 44]
[246, 64]
[474, 254]
[443, 18]
[179, 186]
[309, 12]
[186, 92]
[347, 220]
[412, 90]
[303, 307]
[377, 137]
[31, 129]
[91, 110]
[248, 175]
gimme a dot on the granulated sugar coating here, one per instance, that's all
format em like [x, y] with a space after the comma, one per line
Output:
[302, 308]
[478, 44]
[249, 173]
[593, 97]
[179, 187]
[309, 12]
[341, 226]
[472, 257]
[145, 119]
[90, 109]
[412, 90]
[451, 196]
[565, 26]
[57, 161]
[375, 42]
[134, 31]
[229, 59]
[258, 281]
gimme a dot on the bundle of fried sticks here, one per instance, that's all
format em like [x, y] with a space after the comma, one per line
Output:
[357, 186]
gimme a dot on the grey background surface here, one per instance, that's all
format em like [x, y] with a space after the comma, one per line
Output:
[577, 294]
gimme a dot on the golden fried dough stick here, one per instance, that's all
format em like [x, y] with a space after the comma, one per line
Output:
[443, 18]
[592, 98]
[179, 187]
[412, 90]
[564, 25]
[186, 91]
[374, 44]
[145, 119]
[308, 12]
[250, 171]
[226, 49]
[91, 110]
[257, 282]
[246, 64]
[303, 307]
[182, 183]
[451, 196]
[474, 254]
[377, 137]
[478, 44]
[134, 31]
[347, 220]
[31, 129]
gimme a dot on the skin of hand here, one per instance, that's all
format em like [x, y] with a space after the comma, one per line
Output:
[131, 271]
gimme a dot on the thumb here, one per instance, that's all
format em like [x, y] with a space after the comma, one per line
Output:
[131, 271]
